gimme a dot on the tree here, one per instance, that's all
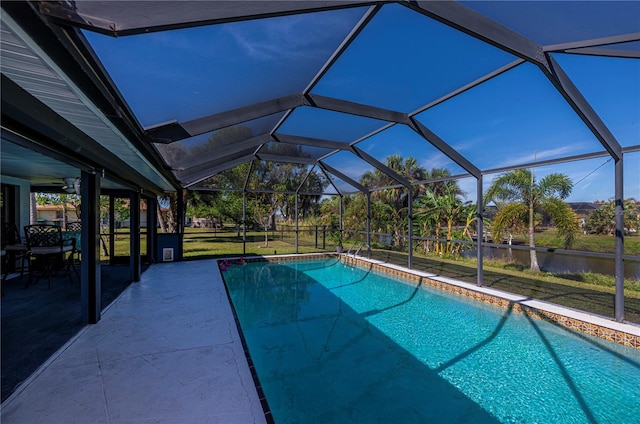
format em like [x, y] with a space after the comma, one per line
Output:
[408, 168]
[60, 199]
[445, 208]
[519, 196]
[603, 220]
[264, 213]
[229, 207]
[396, 218]
[203, 205]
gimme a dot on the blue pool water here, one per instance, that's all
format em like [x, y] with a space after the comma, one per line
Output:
[336, 344]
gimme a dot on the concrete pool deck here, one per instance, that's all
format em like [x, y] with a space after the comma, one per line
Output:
[166, 351]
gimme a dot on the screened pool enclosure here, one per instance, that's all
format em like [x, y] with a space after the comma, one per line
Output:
[317, 99]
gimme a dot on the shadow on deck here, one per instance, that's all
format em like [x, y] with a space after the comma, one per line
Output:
[37, 321]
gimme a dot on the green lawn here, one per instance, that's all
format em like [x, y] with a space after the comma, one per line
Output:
[204, 243]
[589, 242]
[574, 294]
[201, 243]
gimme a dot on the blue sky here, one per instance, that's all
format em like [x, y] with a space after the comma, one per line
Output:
[401, 61]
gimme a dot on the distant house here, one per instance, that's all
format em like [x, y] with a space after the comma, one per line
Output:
[143, 216]
[582, 209]
[54, 214]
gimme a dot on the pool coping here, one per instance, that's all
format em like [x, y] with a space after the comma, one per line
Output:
[588, 323]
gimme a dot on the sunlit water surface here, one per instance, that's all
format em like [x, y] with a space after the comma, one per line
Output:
[336, 344]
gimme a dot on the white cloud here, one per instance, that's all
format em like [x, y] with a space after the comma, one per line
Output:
[280, 38]
[531, 157]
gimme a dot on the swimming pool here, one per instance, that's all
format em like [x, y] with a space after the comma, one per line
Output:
[335, 343]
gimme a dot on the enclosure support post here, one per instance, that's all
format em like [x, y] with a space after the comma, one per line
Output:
[410, 229]
[368, 219]
[480, 231]
[152, 229]
[90, 280]
[244, 223]
[112, 229]
[181, 209]
[340, 222]
[619, 264]
[134, 235]
[296, 212]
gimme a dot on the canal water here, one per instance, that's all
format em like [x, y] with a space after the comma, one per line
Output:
[558, 262]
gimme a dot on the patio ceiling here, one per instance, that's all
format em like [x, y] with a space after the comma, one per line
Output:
[335, 87]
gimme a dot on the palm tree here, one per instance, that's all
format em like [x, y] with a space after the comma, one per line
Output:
[518, 197]
[408, 168]
[430, 214]
[443, 208]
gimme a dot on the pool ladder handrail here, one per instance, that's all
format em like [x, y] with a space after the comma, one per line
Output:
[360, 248]
[352, 246]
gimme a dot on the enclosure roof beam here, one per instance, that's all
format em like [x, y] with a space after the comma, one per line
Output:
[447, 178]
[314, 142]
[326, 174]
[598, 51]
[380, 166]
[604, 41]
[581, 106]
[548, 162]
[479, 26]
[440, 144]
[120, 18]
[226, 151]
[343, 46]
[205, 166]
[174, 131]
[469, 86]
[215, 167]
[305, 178]
[352, 108]
[345, 178]
[286, 159]
[248, 176]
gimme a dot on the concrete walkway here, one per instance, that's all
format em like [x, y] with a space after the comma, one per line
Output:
[166, 351]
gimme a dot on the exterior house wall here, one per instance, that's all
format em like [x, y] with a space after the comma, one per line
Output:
[24, 188]
[52, 214]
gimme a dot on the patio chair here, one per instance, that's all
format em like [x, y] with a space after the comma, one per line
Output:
[74, 231]
[47, 249]
[14, 249]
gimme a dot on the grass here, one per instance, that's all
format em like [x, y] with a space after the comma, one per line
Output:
[592, 280]
[579, 295]
[589, 243]
[202, 243]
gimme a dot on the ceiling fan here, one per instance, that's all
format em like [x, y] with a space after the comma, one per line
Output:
[72, 185]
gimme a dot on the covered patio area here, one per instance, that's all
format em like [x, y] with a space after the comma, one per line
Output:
[38, 320]
[166, 351]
